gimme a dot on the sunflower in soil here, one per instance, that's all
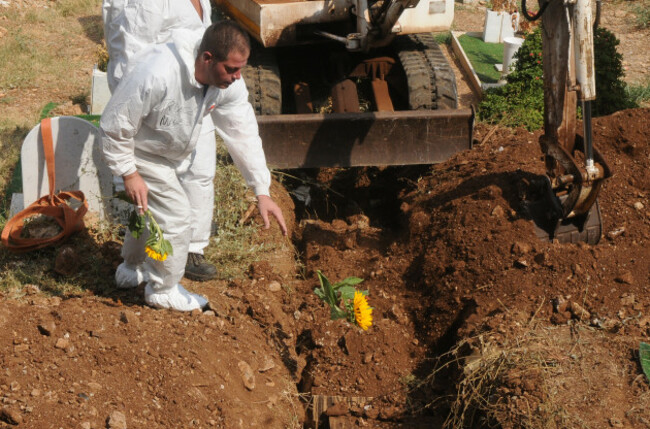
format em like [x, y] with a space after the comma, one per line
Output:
[345, 301]
[362, 311]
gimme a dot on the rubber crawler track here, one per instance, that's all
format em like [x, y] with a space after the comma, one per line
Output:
[431, 81]
[262, 77]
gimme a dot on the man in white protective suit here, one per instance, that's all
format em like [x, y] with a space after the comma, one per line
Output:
[130, 26]
[151, 126]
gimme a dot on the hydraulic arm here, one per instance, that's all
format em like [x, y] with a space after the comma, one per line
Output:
[575, 169]
[375, 23]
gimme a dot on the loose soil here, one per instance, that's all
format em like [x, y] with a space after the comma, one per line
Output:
[476, 321]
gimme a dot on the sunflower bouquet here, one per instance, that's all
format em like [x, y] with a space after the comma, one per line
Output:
[345, 301]
[156, 246]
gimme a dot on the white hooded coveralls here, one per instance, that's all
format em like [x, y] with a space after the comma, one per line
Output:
[152, 124]
[130, 26]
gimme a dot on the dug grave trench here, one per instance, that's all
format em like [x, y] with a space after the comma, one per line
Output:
[353, 224]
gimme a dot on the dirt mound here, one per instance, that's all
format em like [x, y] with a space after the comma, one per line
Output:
[76, 361]
[476, 321]
[467, 222]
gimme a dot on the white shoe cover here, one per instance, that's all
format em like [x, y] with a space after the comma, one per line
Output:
[127, 276]
[176, 298]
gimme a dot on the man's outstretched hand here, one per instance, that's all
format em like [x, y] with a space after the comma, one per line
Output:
[267, 206]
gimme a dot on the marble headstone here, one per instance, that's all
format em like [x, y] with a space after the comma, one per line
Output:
[78, 165]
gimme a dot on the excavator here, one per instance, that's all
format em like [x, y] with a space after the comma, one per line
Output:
[345, 83]
[391, 99]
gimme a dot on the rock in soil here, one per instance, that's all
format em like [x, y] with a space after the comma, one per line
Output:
[11, 416]
[117, 420]
[247, 375]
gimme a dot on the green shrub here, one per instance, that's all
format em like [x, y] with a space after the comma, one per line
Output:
[611, 94]
[521, 101]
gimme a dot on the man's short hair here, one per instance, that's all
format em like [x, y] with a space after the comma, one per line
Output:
[223, 37]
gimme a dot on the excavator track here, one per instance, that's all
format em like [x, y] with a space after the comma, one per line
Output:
[431, 81]
[262, 77]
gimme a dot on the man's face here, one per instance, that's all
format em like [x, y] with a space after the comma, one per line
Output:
[222, 73]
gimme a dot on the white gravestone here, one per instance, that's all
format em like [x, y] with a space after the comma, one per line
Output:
[78, 165]
[499, 25]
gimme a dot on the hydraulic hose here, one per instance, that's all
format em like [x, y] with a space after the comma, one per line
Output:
[535, 17]
[597, 20]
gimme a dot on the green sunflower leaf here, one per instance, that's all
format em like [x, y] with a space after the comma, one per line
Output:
[326, 291]
[152, 241]
[348, 282]
[347, 292]
[136, 224]
[644, 356]
[122, 196]
[167, 247]
[337, 313]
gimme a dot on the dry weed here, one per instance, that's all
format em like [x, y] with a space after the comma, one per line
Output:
[541, 378]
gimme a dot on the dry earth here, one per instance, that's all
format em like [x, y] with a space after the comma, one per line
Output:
[466, 299]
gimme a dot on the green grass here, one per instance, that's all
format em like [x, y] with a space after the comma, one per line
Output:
[442, 38]
[235, 246]
[10, 144]
[639, 93]
[641, 10]
[76, 7]
[18, 60]
[24, 55]
[49, 108]
[483, 57]
[37, 267]
[32, 62]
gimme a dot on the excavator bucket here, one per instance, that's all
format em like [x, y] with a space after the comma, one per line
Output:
[586, 228]
[551, 225]
[365, 139]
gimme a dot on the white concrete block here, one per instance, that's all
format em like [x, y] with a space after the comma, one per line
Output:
[99, 92]
[17, 204]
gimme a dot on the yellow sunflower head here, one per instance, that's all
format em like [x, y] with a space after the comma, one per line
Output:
[362, 311]
[154, 254]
